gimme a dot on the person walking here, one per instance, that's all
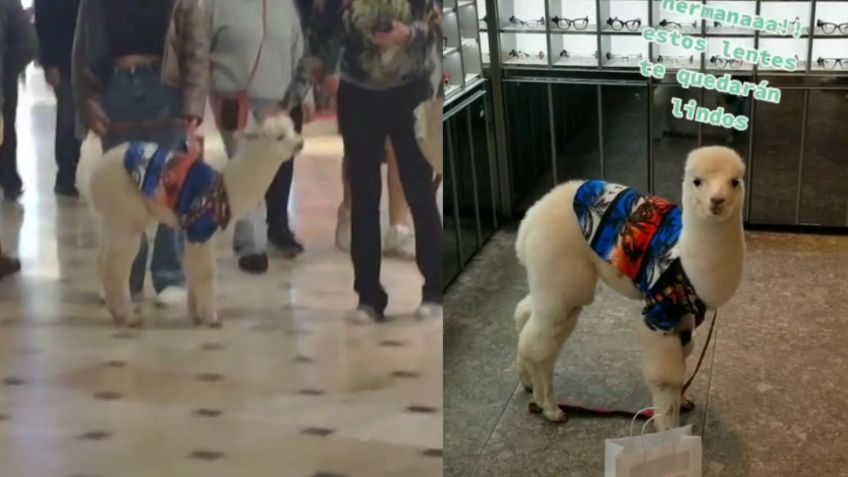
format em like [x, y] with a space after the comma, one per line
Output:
[384, 75]
[55, 22]
[257, 46]
[140, 73]
[19, 48]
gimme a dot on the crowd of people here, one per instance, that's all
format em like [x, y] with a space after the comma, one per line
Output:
[144, 70]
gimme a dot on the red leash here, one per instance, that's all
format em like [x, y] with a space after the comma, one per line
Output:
[686, 406]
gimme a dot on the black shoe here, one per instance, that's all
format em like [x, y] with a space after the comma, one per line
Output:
[286, 242]
[66, 190]
[256, 264]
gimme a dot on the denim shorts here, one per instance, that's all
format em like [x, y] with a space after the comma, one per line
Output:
[138, 95]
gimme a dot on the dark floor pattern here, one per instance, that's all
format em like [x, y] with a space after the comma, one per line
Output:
[768, 397]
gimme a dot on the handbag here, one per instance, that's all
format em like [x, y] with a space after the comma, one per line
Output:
[672, 453]
[231, 109]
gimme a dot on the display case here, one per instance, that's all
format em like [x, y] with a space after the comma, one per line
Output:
[606, 35]
[461, 52]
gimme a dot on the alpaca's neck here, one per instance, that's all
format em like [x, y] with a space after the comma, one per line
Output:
[712, 255]
[248, 175]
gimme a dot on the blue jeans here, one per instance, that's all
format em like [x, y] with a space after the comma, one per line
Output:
[138, 95]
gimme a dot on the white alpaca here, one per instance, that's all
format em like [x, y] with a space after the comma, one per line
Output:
[563, 270]
[123, 213]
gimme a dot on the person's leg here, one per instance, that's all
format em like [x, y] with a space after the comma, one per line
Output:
[400, 241]
[417, 177]
[67, 148]
[363, 142]
[343, 218]
[398, 208]
[9, 178]
[250, 236]
[277, 202]
[139, 267]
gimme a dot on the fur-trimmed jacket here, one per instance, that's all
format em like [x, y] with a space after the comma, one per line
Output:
[185, 60]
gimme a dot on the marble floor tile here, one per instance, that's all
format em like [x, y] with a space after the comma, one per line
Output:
[768, 399]
[287, 387]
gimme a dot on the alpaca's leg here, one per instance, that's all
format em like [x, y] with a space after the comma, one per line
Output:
[538, 348]
[118, 248]
[200, 272]
[522, 314]
[664, 371]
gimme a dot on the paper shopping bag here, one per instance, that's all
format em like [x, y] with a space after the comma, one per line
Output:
[673, 453]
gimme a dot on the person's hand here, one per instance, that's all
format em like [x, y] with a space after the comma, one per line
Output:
[330, 85]
[308, 110]
[192, 122]
[400, 34]
[53, 77]
[99, 122]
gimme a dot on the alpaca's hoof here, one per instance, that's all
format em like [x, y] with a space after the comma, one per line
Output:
[215, 324]
[555, 415]
[135, 323]
[528, 389]
[197, 321]
[687, 405]
[119, 322]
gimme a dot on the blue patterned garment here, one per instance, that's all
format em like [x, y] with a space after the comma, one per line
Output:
[638, 235]
[190, 187]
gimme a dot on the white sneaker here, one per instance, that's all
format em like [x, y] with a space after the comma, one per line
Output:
[343, 230]
[365, 315]
[399, 242]
[429, 311]
[171, 296]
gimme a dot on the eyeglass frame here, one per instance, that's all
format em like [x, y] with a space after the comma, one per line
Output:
[627, 58]
[665, 22]
[842, 62]
[836, 26]
[518, 55]
[624, 23]
[513, 20]
[722, 62]
[676, 60]
[570, 23]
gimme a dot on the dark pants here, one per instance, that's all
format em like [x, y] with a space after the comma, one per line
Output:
[279, 192]
[67, 148]
[366, 118]
[9, 178]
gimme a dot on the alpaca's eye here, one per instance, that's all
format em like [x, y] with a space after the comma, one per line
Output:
[734, 183]
[697, 182]
[281, 137]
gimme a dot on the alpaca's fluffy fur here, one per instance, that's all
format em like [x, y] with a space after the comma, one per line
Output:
[563, 271]
[123, 213]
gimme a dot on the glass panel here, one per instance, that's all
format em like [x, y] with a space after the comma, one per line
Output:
[450, 260]
[463, 167]
[824, 187]
[777, 148]
[483, 164]
[529, 141]
[625, 131]
[575, 111]
[673, 139]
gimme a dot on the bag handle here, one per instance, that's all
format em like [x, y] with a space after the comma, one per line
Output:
[261, 45]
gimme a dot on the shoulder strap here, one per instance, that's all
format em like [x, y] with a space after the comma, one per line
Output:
[261, 44]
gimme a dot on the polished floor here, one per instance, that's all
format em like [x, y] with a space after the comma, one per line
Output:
[770, 397]
[289, 387]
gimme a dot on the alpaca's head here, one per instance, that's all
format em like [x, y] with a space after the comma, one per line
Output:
[276, 132]
[713, 184]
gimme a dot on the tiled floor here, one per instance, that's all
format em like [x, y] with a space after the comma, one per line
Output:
[287, 388]
[770, 396]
